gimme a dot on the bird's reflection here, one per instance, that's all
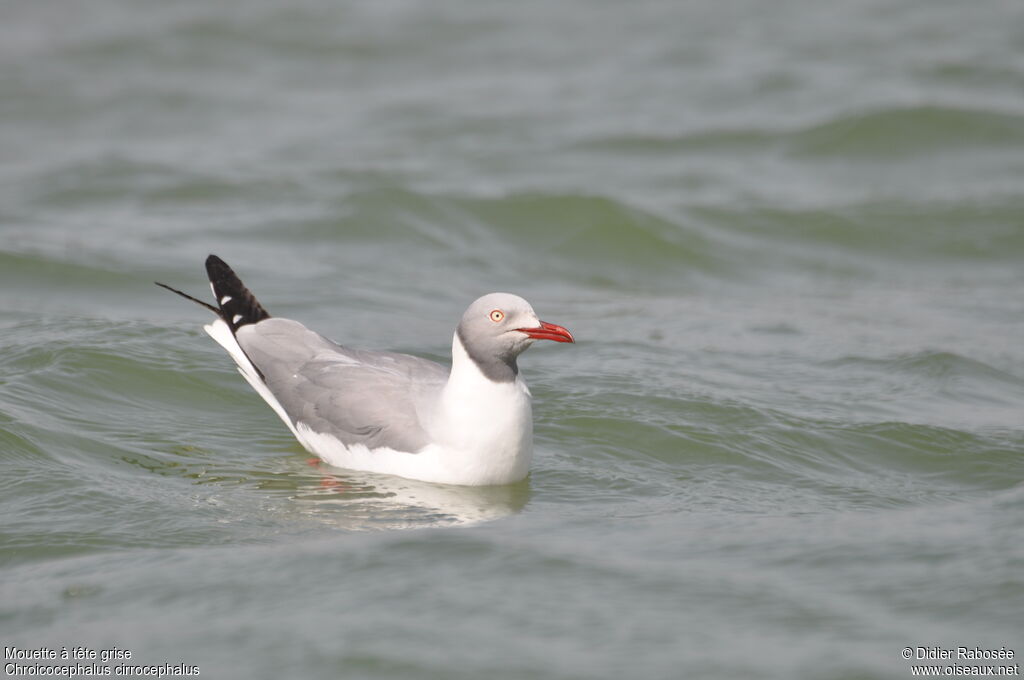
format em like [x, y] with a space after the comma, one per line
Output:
[369, 501]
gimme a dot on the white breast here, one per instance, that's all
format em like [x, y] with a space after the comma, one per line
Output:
[483, 428]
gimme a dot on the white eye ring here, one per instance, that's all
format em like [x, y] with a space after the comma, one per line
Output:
[497, 316]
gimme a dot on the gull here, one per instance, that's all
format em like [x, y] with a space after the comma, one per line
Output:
[385, 412]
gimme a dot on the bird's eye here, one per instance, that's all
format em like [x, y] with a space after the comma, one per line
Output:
[497, 315]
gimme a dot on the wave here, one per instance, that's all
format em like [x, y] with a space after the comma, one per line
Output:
[598, 238]
[896, 132]
[924, 232]
[918, 428]
[108, 179]
[885, 132]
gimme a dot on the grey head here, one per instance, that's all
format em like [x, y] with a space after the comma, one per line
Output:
[497, 328]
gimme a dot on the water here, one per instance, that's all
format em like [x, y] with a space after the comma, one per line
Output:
[788, 238]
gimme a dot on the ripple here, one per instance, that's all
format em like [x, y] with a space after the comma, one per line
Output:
[898, 132]
[882, 230]
[597, 238]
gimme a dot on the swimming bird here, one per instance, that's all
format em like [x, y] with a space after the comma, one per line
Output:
[386, 412]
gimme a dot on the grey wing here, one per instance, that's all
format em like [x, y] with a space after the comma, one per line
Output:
[357, 396]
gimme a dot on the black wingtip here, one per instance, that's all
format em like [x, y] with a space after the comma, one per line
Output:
[215, 264]
[238, 306]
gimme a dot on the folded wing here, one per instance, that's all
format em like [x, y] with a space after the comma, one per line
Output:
[377, 399]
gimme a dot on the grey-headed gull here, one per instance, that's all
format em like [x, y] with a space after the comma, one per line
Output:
[387, 412]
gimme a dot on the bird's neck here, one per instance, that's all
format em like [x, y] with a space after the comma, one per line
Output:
[484, 414]
[468, 378]
[496, 368]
